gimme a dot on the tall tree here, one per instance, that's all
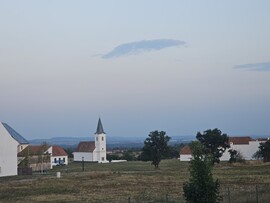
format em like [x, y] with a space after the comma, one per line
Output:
[215, 142]
[264, 151]
[155, 147]
[201, 187]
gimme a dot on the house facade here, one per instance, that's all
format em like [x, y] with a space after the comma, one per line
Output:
[58, 156]
[93, 151]
[245, 145]
[43, 157]
[185, 153]
[11, 142]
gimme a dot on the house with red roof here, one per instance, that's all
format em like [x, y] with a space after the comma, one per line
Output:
[43, 157]
[58, 156]
[245, 145]
[185, 153]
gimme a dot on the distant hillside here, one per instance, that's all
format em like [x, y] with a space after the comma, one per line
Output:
[112, 141]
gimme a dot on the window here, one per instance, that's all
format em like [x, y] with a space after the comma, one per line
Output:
[102, 158]
[54, 160]
[96, 138]
[64, 159]
[102, 138]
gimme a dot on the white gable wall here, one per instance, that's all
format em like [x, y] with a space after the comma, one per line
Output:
[8, 153]
[185, 157]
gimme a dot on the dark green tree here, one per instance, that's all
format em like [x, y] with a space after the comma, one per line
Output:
[236, 156]
[201, 187]
[264, 151]
[215, 142]
[155, 147]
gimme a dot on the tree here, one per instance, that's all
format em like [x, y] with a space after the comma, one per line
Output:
[201, 187]
[215, 142]
[264, 151]
[236, 156]
[155, 147]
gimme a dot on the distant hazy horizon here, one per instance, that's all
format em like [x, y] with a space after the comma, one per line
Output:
[177, 66]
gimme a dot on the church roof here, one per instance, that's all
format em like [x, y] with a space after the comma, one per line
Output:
[100, 128]
[86, 147]
[20, 139]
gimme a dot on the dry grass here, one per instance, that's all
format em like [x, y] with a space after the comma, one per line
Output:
[115, 182]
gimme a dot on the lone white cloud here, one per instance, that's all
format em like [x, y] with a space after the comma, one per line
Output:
[265, 66]
[133, 48]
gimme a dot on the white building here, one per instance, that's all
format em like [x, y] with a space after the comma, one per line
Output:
[245, 145]
[58, 156]
[93, 151]
[11, 143]
[185, 153]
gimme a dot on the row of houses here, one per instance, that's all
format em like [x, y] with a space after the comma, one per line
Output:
[15, 152]
[244, 145]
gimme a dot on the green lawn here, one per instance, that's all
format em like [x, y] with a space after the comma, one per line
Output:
[116, 182]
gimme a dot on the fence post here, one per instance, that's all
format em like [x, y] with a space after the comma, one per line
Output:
[229, 195]
[166, 198]
[257, 195]
[128, 199]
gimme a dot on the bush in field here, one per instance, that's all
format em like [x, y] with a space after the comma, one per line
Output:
[236, 156]
[201, 187]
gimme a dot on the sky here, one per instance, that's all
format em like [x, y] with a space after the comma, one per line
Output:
[176, 66]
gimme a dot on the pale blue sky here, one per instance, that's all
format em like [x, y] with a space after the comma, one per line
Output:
[177, 66]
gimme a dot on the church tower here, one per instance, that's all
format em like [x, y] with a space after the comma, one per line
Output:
[100, 144]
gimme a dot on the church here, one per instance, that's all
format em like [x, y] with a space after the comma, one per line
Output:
[93, 151]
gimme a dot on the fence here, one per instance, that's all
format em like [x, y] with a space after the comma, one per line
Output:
[245, 194]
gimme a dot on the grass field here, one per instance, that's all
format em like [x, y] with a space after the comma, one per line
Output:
[116, 182]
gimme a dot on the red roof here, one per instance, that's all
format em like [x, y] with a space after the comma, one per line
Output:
[240, 140]
[185, 150]
[33, 150]
[86, 147]
[58, 151]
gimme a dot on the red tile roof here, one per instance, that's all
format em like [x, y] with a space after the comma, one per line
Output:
[58, 151]
[33, 150]
[185, 150]
[240, 140]
[86, 147]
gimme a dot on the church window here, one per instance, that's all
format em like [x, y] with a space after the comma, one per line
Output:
[96, 138]
[102, 138]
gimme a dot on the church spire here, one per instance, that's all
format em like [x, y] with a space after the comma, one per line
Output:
[100, 128]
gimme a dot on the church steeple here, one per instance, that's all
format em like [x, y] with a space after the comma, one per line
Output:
[100, 128]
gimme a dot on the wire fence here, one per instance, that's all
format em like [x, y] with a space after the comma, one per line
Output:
[245, 194]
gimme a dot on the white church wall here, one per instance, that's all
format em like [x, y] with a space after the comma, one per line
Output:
[87, 156]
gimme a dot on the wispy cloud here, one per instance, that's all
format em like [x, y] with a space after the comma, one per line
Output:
[265, 66]
[138, 47]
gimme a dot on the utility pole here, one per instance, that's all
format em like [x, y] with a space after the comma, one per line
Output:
[82, 163]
